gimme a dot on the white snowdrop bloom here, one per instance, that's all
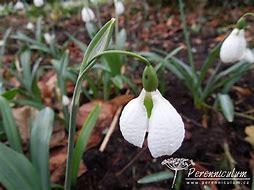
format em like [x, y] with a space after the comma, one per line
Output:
[233, 47]
[248, 55]
[87, 14]
[164, 126]
[30, 26]
[19, 6]
[38, 3]
[119, 7]
[65, 100]
[1, 8]
[1, 42]
[48, 38]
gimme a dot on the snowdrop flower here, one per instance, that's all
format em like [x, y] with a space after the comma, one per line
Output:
[48, 38]
[38, 3]
[151, 112]
[30, 26]
[248, 55]
[87, 14]
[65, 100]
[119, 7]
[1, 42]
[19, 6]
[1, 8]
[233, 47]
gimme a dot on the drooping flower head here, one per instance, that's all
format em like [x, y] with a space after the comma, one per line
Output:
[119, 7]
[49, 38]
[87, 14]
[19, 5]
[151, 112]
[38, 3]
[234, 48]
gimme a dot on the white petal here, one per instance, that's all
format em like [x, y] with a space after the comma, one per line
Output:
[38, 3]
[133, 121]
[232, 49]
[19, 5]
[119, 8]
[166, 128]
[248, 55]
[87, 14]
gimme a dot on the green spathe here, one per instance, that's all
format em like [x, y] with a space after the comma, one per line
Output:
[241, 23]
[149, 79]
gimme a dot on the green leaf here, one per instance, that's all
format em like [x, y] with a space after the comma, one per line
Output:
[16, 171]
[118, 82]
[227, 106]
[39, 144]
[26, 69]
[10, 126]
[99, 43]
[10, 94]
[121, 39]
[160, 176]
[114, 62]
[82, 140]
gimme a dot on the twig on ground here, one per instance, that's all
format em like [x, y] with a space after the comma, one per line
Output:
[111, 129]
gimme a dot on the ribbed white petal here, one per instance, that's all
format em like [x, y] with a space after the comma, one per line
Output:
[248, 55]
[87, 14]
[232, 49]
[166, 128]
[119, 8]
[38, 3]
[133, 121]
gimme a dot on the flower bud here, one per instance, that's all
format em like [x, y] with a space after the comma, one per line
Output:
[150, 79]
[87, 14]
[119, 7]
[38, 3]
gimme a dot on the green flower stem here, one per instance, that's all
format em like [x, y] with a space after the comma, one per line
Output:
[186, 34]
[248, 14]
[116, 23]
[75, 105]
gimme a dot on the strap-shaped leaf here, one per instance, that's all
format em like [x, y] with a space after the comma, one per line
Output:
[160, 176]
[83, 139]
[39, 144]
[227, 106]
[10, 127]
[16, 172]
[99, 43]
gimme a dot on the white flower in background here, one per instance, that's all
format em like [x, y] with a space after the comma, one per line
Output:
[1, 8]
[19, 6]
[65, 100]
[248, 55]
[1, 42]
[30, 26]
[87, 14]
[38, 3]
[119, 7]
[233, 47]
[48, 38]
[164, 126]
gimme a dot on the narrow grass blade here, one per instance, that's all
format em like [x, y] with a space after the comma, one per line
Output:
[10, 127]
[160, 176]
[82, 140]
[39, 144]
[16, 171]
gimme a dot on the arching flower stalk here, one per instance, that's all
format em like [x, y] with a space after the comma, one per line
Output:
[151, 112]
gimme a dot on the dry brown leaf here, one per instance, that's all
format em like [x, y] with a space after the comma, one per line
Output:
[245, 92]
[205, 120]
[47, 87]
[58, 137]
[21, 116]
[58, 159]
